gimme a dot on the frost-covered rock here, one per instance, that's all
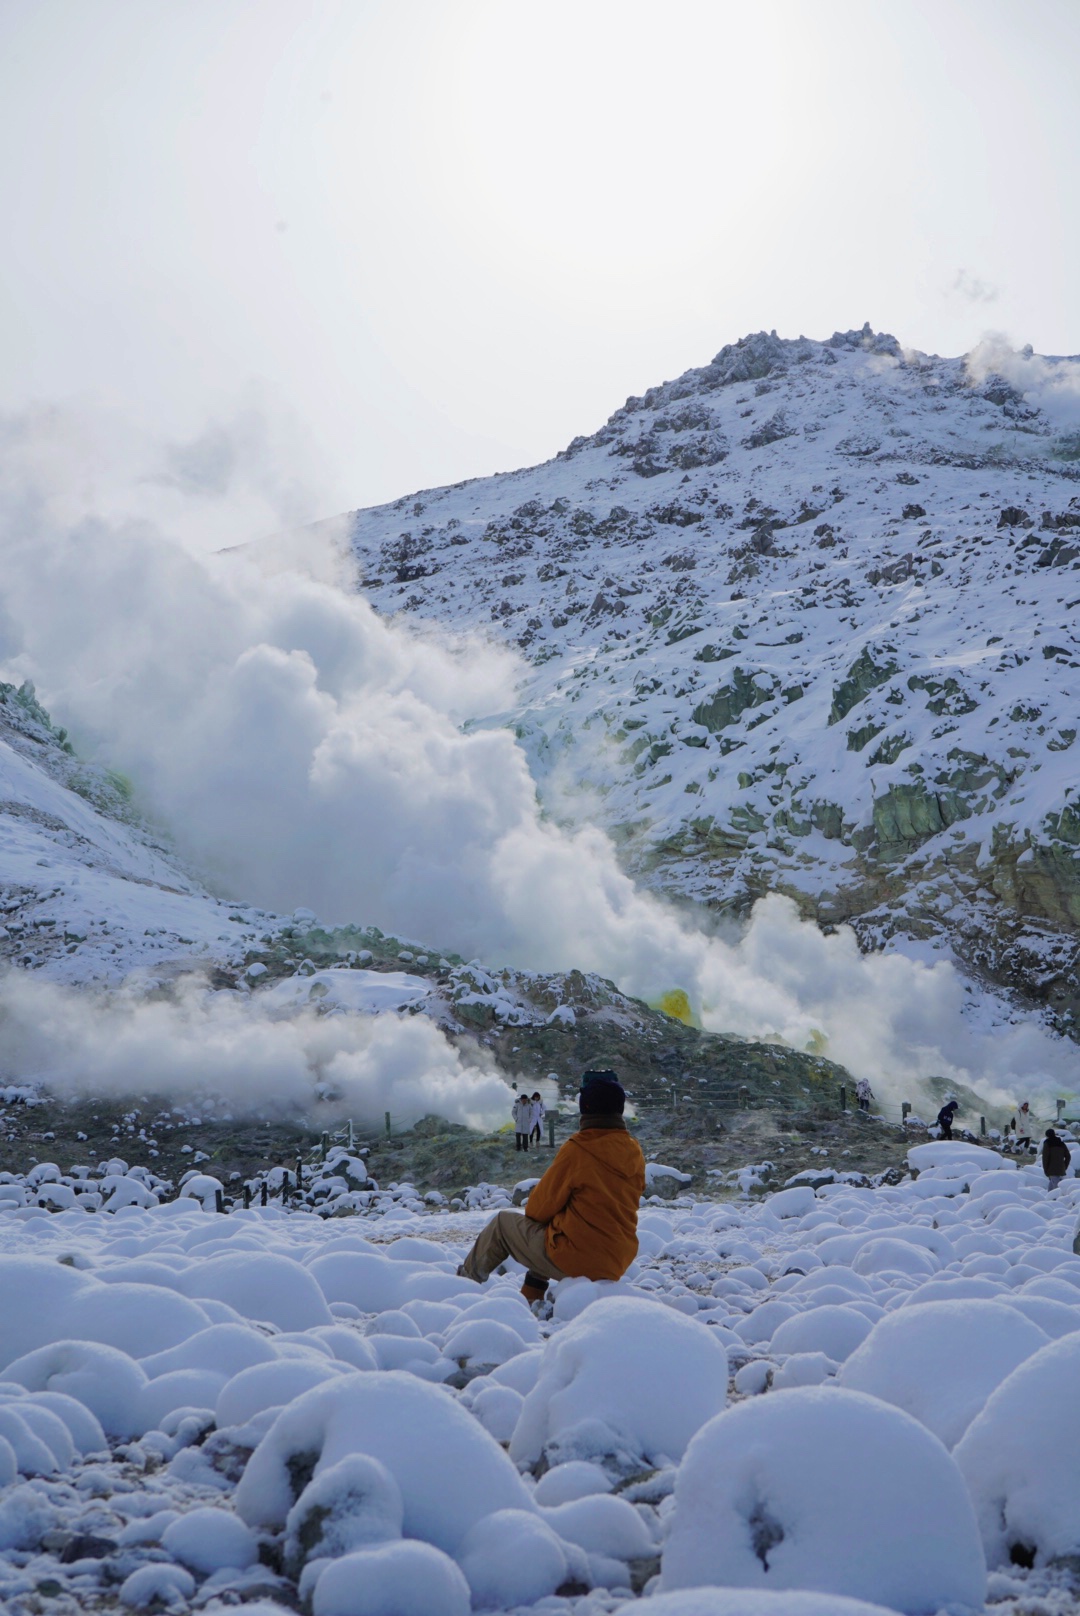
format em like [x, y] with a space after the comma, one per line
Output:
[106, 1381]
[578, 1478]
[269, 1385]
[156, 1585]
[939, 1361]
[826, 1490]
[259, 1285]
[755, 1602]
[450, 1472]
[33, 1455]
[834, 1330]
[605, 1525]
[208, 1540]
[1019, 1459]
[350, 1505]
[511, 1558]
[395, 1579]
[628, 1373]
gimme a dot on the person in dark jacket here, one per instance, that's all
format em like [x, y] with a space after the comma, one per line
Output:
[581, 1218]
[945, 1118]
[1056, 1160]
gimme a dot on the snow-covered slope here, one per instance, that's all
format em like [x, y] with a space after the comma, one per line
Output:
[803, 619]
[84, 890]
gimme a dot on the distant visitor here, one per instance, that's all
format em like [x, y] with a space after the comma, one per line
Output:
[539, 1112]
[581, 1218]
[522, 1121]
[945, 1118]
[1056, 1159]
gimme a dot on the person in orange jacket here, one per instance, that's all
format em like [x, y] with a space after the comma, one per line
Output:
[581, 1218]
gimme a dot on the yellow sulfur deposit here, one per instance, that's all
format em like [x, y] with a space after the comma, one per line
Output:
[676, 1004]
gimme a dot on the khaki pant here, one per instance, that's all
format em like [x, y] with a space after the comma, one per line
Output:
[510, 1234]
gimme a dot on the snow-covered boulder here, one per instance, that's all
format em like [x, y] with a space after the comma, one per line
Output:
[835, 1331]
[939, 1361]
[269, 1385]
[105, 1380]
[511, 1558]
[351, 1505]
[208, 1540]
[628, 1374]
[758, 1602]
[1019, 1459]
[159, 1585]
[450, 1471]
[394, 1579]
[259, 1285]
[826, 1490]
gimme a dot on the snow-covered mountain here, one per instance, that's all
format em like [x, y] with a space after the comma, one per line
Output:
[85, 891]
[804, 619]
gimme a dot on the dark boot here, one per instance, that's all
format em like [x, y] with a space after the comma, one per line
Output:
[534, 1288]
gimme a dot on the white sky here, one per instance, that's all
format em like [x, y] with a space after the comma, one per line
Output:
[438, 238]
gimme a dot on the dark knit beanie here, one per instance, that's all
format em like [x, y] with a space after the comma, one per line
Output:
[601, 1092]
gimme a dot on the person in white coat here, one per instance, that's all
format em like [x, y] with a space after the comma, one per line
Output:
[522, 1121]
[539, 1112]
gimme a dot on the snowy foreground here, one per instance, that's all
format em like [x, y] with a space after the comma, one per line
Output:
[865, 1394]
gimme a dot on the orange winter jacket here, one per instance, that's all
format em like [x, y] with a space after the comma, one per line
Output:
[588, 1198]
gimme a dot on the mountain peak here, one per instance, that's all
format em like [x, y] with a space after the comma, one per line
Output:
[799, 620]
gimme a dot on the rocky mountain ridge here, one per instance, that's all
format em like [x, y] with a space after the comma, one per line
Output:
[804, 619]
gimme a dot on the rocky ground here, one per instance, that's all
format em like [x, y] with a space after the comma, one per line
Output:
[772, 1144]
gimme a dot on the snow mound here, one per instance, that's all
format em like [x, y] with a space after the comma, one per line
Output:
[825, 1490]
[104, 1380]
[939, 1361]
[208, 1540]
[1019, 1460]
[260, 1285]
[889, 1254]
[627, 1374]
[450, 1471]
[156, 1585]
[396, 1579]
[511, 1558]
[756, 1602]
[834, 1330]
[349, 1506]
[269, 1385]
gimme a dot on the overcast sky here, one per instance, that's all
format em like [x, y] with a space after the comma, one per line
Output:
[432, 239]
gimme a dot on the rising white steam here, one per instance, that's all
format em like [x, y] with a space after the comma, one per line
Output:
[359, 1066]
[1046, 383]
[307, 752]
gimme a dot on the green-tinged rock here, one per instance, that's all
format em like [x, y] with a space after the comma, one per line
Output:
[908, 814]
[890, 748]
[828, 818]
[863, 676]
[732, 700]
[858, 738]
[947, 696]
